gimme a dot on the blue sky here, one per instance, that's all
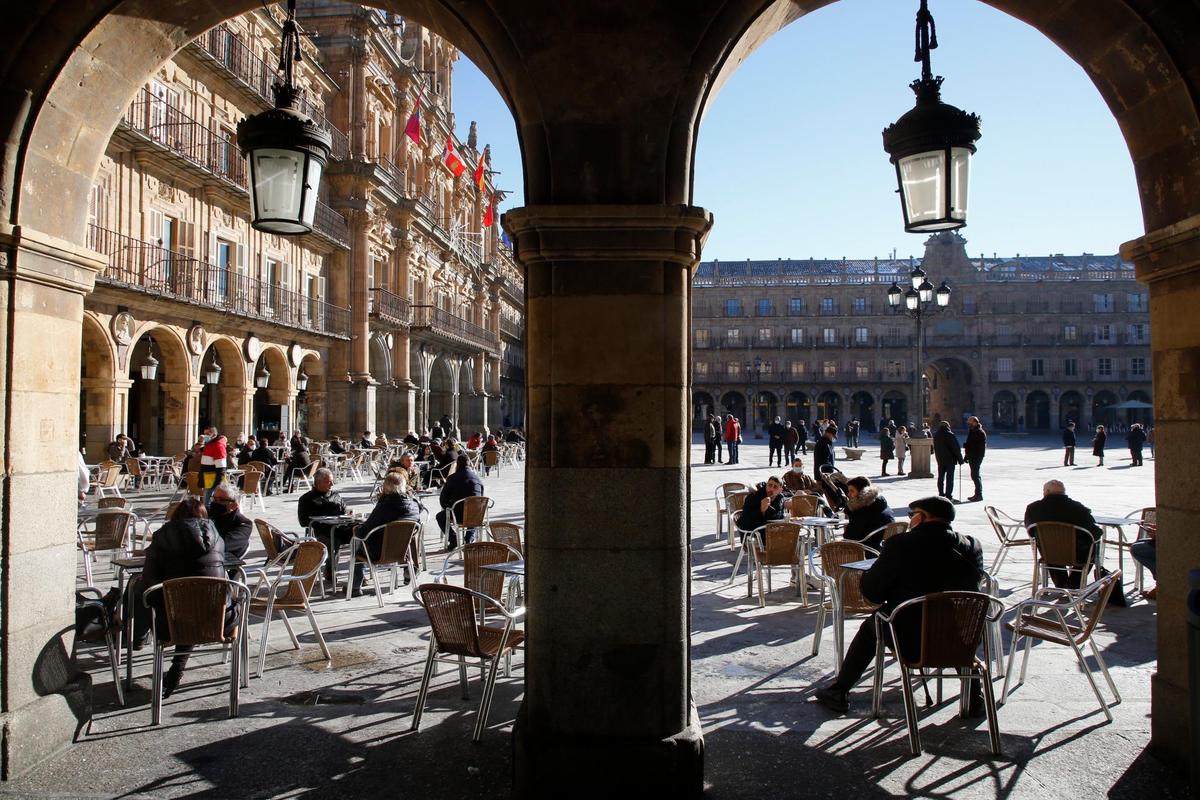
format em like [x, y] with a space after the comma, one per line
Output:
[790, 158]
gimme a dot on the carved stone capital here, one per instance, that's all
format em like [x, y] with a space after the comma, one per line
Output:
[1166, 253]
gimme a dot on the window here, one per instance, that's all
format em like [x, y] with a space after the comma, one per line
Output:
[733, 336]
[1137, 301]
[1138, 333]
[764, 308]
[1104, 367]
[701, 368]
[797, 335]
[1137, 366]
[767, 368]
[1004, 369]
[829, 369]
[826, 305]
[1102, 302]
[1104, 334]
[271, 279]
[733, 369]
[829, 336]
[861, 336]
[860, 305]
[969, 305]
[1070, 368]
[702, 337]
[795, 306]
[797, 369]
[1037, 368]
[1070, 333]
[225, 263]
[733, 308]
[895, 369]
[766, 334]
[862, 369]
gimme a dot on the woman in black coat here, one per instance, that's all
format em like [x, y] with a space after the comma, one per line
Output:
[867, 512]
[887, 446]
[1098, 443]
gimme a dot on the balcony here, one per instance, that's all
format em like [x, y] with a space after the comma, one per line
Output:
[390, 309]
[454, 329]
[140, 266]
[511, 328]
[512, 372]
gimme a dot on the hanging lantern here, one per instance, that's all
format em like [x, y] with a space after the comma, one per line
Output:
[149, 365]
[931, 146]
[287, 151]
[943, 294]
[301, 381]
[213, 374]
[894, 294]
[263, 379]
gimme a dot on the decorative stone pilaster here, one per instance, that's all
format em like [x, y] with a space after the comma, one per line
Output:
[107, 408]
[1168, 260]
[607, 309]
[181, 415]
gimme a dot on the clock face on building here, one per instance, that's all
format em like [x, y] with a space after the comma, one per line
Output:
[253, 348]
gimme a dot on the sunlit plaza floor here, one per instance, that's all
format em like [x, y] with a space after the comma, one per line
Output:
[752, 679]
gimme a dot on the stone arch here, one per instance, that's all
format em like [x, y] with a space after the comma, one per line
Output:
[380, 358]
[1037, 411]
[796, 406]
[311, 415]
[829, 406]
[702, 405]
[766, 408]
[734, 403]
[1103, 412]
[102, 397]
[862, 408]
[1004, 411]
[159, 411]
[223, 405]
[949, 390]
[894, 406]
[1070, 408]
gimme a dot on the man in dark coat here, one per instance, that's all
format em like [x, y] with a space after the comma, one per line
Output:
[225, 511]
[791, 440]
[775, 432]
[765, 504]
[720, 431]
[465, 482]
[710, 440]
[394, 505]
[1056, 506]
[948, 453]
[323, 501]
[1135, 438]
[975, 447]
[929, 557]
[852, 428]
[1069, 445]
[823, 451]
[887, 447]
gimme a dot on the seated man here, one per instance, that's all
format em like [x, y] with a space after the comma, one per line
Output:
[336, 446]
[1145, 552]
[797, 481]
[765, 504]
[411, 440]
[1056, 506]
[226, 514]
[465, 482]
[929, 557]
[323, 501]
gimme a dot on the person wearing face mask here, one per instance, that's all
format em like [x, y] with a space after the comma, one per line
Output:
[866, 512]
[765, 504]
[225, 511]
[797, 481]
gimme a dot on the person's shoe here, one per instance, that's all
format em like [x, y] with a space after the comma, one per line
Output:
[976, 709]
[1151, 593]
[356, 591]
[975, 498]
[171, 681]
[834, 699]
[900, 473]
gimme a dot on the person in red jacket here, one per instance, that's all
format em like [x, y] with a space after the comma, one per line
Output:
[733, 436]
[212, 462]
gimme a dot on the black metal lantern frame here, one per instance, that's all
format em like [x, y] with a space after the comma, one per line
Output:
[931, 147]
[287, 150]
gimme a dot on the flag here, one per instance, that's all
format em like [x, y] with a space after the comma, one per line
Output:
[489, 216]
[450, 154]
[506, 240]
[412, 129]
[479, 169]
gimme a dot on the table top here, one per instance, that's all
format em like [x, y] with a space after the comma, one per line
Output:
[332, 518]
[820, 521]
[508, 567]
[1112, 519]
[861, 566]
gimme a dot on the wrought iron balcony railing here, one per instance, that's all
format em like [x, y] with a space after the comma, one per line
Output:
[453, 327]
[389, 307]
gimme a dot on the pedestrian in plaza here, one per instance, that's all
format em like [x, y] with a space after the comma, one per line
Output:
[719, 433]
[866, 512]
[976, 448]
[1068, 439]
[802, 436]
[1098, 442]
[1135, 438]
[818, 428]
[791, 440]
[901, 448]
[852, 428]
[765, 504]
[733, 436]
[823, 451]
[775, 432]
[948, 453]
[887, 447]
[213, 460]
[710, 440]
[929, 557]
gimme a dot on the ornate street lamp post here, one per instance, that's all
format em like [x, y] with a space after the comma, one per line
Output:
[755, 369]
[931, 146]
[916, 302]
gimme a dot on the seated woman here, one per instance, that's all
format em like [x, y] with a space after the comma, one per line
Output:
[796, 480]
[394, 504]
[490, 446]
[867, 512]
[300, 458]
[475, 441]
[187, 546]
[765, 504]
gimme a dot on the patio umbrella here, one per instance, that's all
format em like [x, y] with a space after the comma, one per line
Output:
[1132, 404]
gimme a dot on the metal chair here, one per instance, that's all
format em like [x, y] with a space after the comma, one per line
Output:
[721, 498]
[475, 557]
[304, 475]
[195, 610]
[110, 481]
[893, 528]
[268, 474]
[272, 538]
[845, 593]
[400, 539]
[1071, 621]
[506, 533]
[952, 624]
[490, 458]
[194, 489]
[112, 502]
[90, 597]
[733, 505]
[1147, 523]
[1007, 530]
[456, 634]
[782, 545]
[289, 590]
[252, 487]
[1055, 548]
[473, 512]
[804, 505]
[110, 533]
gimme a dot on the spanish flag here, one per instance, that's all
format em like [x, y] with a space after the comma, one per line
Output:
[479, 168]
[450, 154]
[489, 216]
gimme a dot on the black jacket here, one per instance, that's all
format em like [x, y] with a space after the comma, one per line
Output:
[976, 444]
[412, 440]
[710, 432]
[235, 530]
[946, 448]
[390, 508]
[823, 453]
[261, 453]
[870, 515]
[752, 516]
[1061, 508]
[1136, 438]
[186, 548]
[775, 432]
[1068, 437]
[463, 483]
[245, 455]
[792, 436]
[1098, 442]
[314, 504]
[887, 445]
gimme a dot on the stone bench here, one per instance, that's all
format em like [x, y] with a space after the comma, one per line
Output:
[853, 453]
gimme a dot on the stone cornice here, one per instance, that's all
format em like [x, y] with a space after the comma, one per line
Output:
[37, 257]
[1167, 252]
[673, 233]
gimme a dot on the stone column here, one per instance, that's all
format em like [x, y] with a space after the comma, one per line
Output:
[608, 592]
[45, 699]
[1168, 260]
[236, 414]
[406, 394]
[181, 415]
[337, 408]
[362, 389]
[495, 417]
[107, 402]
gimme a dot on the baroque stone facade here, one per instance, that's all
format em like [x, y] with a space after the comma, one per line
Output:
[1026, 343]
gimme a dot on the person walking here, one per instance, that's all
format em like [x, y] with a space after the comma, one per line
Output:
[791, 440]
[948, 453]
[719, 431]
[710, 440]
[975, 447]
[1069, 445]
[775, 433]
[733, 436]
[1135, 439]
[823, 452]
[802, 434]
[1098, 442]
[852, 428]
[901, 448]
[887, 447]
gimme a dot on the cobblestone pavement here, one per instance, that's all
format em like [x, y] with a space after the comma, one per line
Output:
[314, 729]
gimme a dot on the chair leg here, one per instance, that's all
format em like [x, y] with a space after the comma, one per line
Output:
[910, 713]
[1104, 668]
[1008, 673]
[839, 633]
[156, 689]
[113, 650]
[312, 620]
[820, 628]
[737, 562]
[287, 623]
[87, 567]
[424, 691]
[1025, 658]
[235, 683]
[262, 642]
[462, 678]
[877, 679]
[989, 702]
[486, 705]
[375, 578]
[1091, 681]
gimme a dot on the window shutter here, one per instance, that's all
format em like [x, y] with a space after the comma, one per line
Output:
[187, 243]
[212, 249]
[241, 259]
[154, 227]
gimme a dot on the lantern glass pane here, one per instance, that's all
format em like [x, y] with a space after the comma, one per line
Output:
[922, 183]
[960, 164]
[277, 189]
[311, 184]
[911, 300]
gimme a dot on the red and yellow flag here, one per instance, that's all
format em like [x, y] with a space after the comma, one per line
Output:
[450, 154]
[489, 216]
[479, 169]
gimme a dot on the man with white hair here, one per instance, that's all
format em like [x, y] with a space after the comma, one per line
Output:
[323, 501]
[225, 511]
[1056, 506]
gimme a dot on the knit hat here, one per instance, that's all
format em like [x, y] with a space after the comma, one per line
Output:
[935, 506]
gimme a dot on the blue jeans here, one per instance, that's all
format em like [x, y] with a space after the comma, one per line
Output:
[733, 452]
[1145, 552]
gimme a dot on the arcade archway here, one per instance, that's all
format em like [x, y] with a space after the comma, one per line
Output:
[950, 393]
[1037, 411]
[1004, 411]
[734, 403]
[1070, 409]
